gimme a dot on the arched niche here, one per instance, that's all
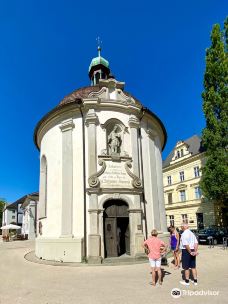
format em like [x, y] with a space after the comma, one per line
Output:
[115, 136]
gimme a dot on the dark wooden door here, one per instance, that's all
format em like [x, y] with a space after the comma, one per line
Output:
[111, 237]
[199, 219]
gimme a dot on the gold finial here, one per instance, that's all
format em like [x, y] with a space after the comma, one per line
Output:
[99, 42]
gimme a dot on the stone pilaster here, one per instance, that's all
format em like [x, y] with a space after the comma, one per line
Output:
[137, 237]
[67, 178]
[91, 123]
[153, 178]
[134, 125]
[42, 206]
[160, 185]
[135, 215]
[101, 230]
[94, 238]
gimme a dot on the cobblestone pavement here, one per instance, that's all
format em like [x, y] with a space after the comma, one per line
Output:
[30, 283]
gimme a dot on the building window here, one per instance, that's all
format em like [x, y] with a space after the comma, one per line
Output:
[184, 218]
[182, 152]
[197, 171]
[198, 193]
[13, 211]
[181, 176]
[170, 198]
[169, 178]
[182, 195]
[97, 77]
[178, 154]
[171, 220]
[13, 217]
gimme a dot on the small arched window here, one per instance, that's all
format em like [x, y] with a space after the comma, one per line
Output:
[43, 188]
[97, 76]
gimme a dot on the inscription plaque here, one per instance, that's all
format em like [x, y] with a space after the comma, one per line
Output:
[115, 176]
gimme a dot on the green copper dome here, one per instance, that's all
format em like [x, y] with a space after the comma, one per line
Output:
[98, 60]
[98, 68]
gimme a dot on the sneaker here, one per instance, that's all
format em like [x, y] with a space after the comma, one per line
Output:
[193, 282]
[184, 283]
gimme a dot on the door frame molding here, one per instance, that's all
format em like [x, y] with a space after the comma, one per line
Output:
[110, 197]
[115, 196]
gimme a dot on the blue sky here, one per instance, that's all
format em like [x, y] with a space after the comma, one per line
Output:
[156, 47]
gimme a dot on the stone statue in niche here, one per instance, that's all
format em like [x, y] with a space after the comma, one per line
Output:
[115, 140]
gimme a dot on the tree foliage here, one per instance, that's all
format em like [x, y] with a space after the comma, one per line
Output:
[214, 182]
[2, 204]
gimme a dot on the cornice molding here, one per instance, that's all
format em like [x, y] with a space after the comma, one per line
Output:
[67, 125]
[171, 207]
[186, 181]
[135, 210]
[184, 161]
[91, 118]
[133, 122]
[130, 191]
[181, 186]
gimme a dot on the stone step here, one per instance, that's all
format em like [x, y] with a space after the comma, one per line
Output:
[125, 260]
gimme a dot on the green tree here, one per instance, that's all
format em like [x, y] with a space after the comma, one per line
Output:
[214, 182]
[2, 204]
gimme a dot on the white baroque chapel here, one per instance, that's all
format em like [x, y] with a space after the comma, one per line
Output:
[101, 186]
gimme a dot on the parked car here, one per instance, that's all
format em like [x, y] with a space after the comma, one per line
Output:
[205, 235]
[195, 231]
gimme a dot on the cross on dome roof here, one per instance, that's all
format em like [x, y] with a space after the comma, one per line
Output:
[99, 42]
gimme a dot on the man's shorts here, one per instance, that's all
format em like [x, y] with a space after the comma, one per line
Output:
[155, 262]
[188, 261]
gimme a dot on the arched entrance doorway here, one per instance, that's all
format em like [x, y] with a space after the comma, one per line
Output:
[116, 228]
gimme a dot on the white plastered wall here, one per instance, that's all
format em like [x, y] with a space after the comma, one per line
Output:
[51, 147]
[78, 193]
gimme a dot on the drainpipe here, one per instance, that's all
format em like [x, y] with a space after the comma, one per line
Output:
[84, 177]
[143, 194]
[35, 220]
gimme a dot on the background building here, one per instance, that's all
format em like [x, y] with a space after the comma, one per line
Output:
[101, 186]
[12, 213]
[181, 176]
[23, 213]
[29, 219]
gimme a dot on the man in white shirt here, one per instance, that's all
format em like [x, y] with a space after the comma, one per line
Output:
[189, 247]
